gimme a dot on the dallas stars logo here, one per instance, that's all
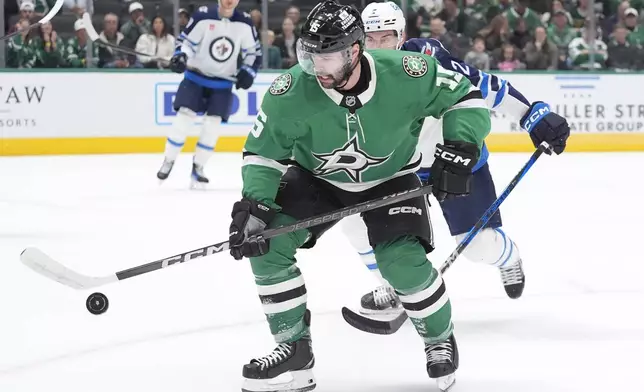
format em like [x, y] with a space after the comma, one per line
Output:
[348, 159]
[415, 66]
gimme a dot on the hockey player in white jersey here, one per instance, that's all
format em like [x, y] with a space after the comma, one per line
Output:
[207, 54]
[385, 27]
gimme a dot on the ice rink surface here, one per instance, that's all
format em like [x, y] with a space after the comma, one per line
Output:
[579, 326]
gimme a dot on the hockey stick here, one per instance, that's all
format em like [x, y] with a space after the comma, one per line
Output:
[46, 266]
[52, 12]
[387, 327]
[96, 38]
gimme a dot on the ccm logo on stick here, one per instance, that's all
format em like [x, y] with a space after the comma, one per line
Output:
[405, 210]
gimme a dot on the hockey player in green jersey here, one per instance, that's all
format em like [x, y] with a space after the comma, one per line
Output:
[347, 122]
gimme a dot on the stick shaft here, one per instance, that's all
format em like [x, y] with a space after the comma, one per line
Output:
[492, 209]
[299, 225]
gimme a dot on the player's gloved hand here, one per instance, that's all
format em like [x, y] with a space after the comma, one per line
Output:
[245, 77]
[424, 175]
[452, 169]
[249, 217]
[546, 126]
[179, 62]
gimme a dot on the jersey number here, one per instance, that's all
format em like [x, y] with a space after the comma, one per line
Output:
[260, 122]
[447, 78]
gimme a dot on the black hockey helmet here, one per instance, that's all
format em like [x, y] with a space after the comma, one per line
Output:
[326, 41]
[331, 27]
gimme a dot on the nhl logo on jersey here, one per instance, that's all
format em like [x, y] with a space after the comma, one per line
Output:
[221, 49]
[415, 66]
[281, 84]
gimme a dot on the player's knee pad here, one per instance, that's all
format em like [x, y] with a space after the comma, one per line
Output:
[491, 246]
[183, 121]
[403, 263]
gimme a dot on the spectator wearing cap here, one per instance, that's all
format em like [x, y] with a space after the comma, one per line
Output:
[520, 10]
[636, 34]
[136, 26]
[184, 17]
[560, 33]
[557, 7]
[27, 8]
[76, 48]
[19, 52]
[159, 43]
[608, 25]
[622, 55]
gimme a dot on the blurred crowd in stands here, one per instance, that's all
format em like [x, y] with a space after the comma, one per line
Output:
[504, 35]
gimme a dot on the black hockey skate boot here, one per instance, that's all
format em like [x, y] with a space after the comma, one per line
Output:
[513, 279]
[198, 177]
[442, 362]
[289, 368]
[165, 170]
[383, 300]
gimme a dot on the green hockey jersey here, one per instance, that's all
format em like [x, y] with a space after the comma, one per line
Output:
[357, 142]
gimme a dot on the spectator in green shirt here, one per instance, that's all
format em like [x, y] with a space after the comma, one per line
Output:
[19, 52]
[520, 10]
[580, 48]
[560, 33]
[580, 13]
[76, 48]
[48, 47]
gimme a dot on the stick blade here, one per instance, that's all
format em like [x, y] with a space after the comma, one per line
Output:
[44, 265]
[89, 27]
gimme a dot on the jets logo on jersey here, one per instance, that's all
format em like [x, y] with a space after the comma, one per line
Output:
[221, 49]
[281, 84]
[427, 49]
[415, 66]
[349, 159]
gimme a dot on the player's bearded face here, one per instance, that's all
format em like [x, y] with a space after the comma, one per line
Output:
[331, 69]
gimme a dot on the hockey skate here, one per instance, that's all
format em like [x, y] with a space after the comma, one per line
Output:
[442, 362]
[383, 300]
[165, 170]
[198, 179]
[513, 279]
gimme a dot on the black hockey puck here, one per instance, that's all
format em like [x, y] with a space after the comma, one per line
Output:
[97, 303]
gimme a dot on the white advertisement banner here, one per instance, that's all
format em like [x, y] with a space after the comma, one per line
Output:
[104, 104]
[591, 103]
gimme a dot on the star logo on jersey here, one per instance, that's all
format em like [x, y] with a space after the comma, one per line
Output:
[415, 66]
[349, 159]
[281, 84]
[221, 49]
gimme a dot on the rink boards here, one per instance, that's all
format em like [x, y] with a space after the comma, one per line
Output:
[87, 112]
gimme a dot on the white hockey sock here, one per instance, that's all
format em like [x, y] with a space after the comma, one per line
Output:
[207, 139]
[491, 246]
[178, 133]
[356, 231]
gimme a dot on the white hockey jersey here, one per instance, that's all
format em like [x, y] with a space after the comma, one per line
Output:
[214, 44]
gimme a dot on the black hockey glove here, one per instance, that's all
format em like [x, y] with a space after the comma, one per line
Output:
[546, 126]
[249, 217]
[452, 169]
[179, 62]
[245, 77]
